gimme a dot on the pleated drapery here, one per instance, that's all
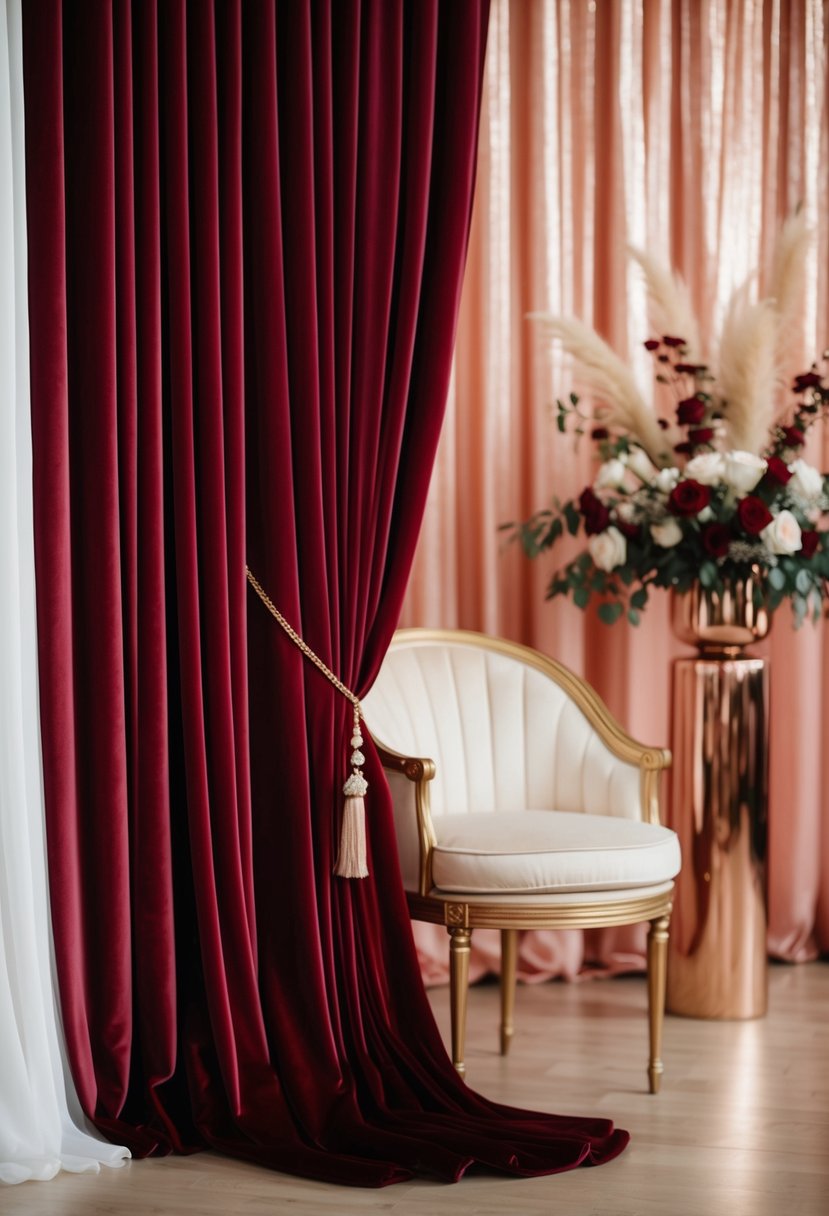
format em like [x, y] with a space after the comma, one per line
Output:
[692, 130]
[41, 1128]
[248, 224]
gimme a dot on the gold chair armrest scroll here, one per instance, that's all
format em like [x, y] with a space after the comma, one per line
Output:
[418, 772]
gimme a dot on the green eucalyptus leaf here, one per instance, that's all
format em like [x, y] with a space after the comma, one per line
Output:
[581, 597]
[571, 518]
[610, 613]
[708, 574]
[803, 582]
[777, 579]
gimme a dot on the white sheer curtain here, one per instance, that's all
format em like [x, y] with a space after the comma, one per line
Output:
[38, 1133]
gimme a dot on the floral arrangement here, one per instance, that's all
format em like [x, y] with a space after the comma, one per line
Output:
[717, 490]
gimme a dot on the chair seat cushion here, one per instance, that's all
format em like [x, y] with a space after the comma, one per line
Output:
[549, 851]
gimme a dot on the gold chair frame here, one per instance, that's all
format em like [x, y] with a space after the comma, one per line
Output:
[461, 917]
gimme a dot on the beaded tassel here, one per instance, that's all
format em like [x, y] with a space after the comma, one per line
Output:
[351, 861]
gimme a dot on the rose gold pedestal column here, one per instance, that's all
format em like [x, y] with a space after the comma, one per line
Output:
[717, 954]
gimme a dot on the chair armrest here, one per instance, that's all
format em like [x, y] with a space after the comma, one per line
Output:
[409, 778]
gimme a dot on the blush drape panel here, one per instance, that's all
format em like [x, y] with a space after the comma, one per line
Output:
[248, 225]
[692, 130]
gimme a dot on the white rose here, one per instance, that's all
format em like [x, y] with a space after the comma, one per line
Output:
[705, 515]
[609, 549]
[743, 470]
[641, 464]
[626, 511]
[610, 475]
[667, 534]
[707, 468]
[783, 534]
[665, 480]
[806, 481]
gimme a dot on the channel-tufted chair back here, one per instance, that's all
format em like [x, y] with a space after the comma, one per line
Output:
[504, 736]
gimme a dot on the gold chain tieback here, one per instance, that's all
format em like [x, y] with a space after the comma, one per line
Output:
[351, 860]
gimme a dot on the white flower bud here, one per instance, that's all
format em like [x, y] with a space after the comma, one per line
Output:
[667, 534]
[806, 481]
[743, 470]
[608, 549]
[783, 534]
[610, 475]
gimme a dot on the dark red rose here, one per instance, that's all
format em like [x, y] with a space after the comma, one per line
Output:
[631, 531]
[689, 369]
[674, 342]
[753, 514]
[600, 432]
[806, 381]
[652, 344]
[596, 514]
[778, 471]
[701, 434]
[689, 497]
[716, 539]
[809, 542]
[683, 449]
[793, 437]
[690, 412]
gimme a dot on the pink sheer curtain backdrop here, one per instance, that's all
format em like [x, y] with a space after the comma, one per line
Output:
[693, 130]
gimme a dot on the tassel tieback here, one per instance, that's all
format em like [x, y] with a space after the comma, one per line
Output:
[351, 859]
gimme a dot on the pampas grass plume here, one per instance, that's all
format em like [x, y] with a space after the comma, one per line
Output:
[601, 372]
[671, 311]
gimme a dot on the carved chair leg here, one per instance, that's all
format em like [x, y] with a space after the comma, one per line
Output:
[459, 945]
[509, 960]
[657, 973]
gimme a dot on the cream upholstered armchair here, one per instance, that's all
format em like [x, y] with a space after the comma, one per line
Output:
[519, 803]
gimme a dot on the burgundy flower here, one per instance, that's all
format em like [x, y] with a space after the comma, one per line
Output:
[683, 449]
[689, 497]
[631, 531]
[600, 432]
[809, 542]
[778, 471]
[806, 381]
[753, 514]
[689, 369]
[716, 539]
[701, 434]
[652, 344]
[690, 412]
[596, 514]
[793, 437]
[674, 342]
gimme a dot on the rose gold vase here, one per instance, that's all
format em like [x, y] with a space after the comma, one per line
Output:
[717, 956]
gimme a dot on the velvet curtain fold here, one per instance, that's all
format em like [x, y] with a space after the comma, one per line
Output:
[248, 226]
[690, 129]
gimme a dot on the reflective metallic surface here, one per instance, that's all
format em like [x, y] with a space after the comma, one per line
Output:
[717, 953]
[720, 622]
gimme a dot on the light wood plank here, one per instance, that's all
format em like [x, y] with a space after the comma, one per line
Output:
[741, 1126]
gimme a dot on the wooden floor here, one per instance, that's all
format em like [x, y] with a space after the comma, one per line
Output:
[741, 1127]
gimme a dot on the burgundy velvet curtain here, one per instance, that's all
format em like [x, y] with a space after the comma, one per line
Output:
[247, 224]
